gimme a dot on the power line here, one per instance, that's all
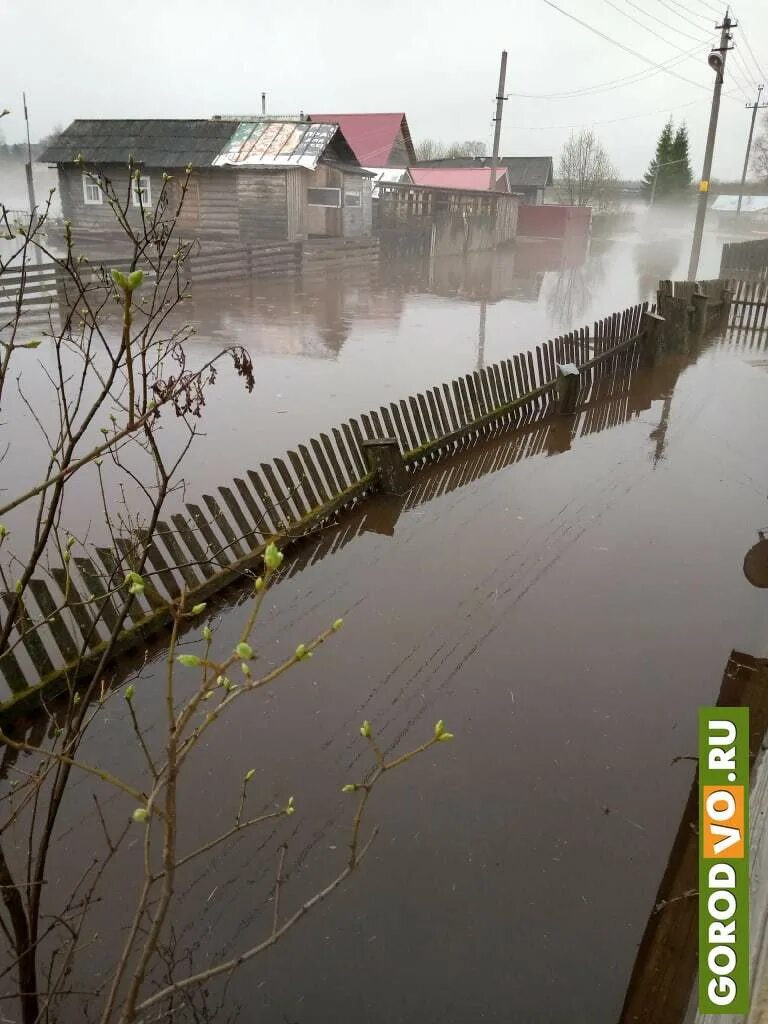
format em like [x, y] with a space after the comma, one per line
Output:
[621, 46]
[653, 17]
[610, 85]
[688, 12]
[743, 69]
[761, 74]
[651, 30]
[613, 120]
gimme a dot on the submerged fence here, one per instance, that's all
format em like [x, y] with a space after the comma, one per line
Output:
[69, 619]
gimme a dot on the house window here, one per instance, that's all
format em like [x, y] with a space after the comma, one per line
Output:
[352, 199]
[324, 196]
[92, 194]
[142, 189]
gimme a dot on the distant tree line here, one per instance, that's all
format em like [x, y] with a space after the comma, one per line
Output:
[433, 149]
[18, 150]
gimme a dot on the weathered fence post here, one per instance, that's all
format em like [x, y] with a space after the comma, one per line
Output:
[650, 343]
[382, 457]
[567, 388]
[726, 298]
[699, 302]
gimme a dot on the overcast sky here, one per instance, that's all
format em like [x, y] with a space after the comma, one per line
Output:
[436, 60]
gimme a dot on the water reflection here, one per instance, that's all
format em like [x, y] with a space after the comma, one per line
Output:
[655, 260]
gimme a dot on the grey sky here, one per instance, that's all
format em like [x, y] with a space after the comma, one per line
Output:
[438, 61]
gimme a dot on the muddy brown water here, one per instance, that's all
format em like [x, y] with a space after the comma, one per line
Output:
[564, 600]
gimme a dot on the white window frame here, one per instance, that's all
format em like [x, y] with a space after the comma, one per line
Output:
[144, 185]
[88, 198]
[323, 188]
[358, 196]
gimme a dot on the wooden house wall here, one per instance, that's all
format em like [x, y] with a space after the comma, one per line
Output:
[325, 221]
[298, 180]
[98, 215]
[262, 199]
[357, 221]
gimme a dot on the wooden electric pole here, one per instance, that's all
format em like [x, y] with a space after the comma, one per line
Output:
[28, 167]
[716, 61]
[500, 97]
[757, 105]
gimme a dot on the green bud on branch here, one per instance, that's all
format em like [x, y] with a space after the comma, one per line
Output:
[244, 651]
[129, 692]
[249, 775]
[338, 624]
[140, 814]
[273, 557]
[365, 729]
[190, 660]
[349, 788]
[198, 609]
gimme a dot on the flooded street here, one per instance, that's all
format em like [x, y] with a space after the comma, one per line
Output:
[558, 599]
[331, 347]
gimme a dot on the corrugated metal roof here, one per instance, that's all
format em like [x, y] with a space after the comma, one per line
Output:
[371, 136]
[749, 204]
[522, 171]
[202, 143]
[276, 144]
[474, 178]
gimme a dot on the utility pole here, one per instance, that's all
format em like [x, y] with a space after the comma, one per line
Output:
[757, 105]
[28, 167]
[263, 104]
[716, 61]
[500, 97]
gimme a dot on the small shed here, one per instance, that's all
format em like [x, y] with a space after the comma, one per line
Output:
[254, 180]
[527, 176]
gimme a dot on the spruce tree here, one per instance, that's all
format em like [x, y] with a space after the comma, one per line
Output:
[681, 175]
[661, 161]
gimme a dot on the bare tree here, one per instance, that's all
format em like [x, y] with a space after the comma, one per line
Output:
[585, 171]
[760, 153]
[433, 149]
[430, 149]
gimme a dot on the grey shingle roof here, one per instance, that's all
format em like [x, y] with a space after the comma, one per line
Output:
[154, 143]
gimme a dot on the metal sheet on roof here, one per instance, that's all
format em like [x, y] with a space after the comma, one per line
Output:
[276, 144]
[749, 204]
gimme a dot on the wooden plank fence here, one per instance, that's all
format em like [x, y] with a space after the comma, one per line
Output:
[738, 257]
[47, 289]
[68, 618]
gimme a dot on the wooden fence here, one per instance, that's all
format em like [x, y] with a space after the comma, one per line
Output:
[47, 289]
[68, 618]
[745, 256]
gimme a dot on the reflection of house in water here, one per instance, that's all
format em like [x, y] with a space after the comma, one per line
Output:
[655, 260]
[310, 316]
[490, 276]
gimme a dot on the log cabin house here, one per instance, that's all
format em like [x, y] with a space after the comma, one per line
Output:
[254, 180]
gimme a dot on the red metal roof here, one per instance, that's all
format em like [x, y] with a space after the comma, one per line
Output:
[371, 136]
[476, 178]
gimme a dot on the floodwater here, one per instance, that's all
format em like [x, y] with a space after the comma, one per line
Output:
[328, 348]
[564, 600]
